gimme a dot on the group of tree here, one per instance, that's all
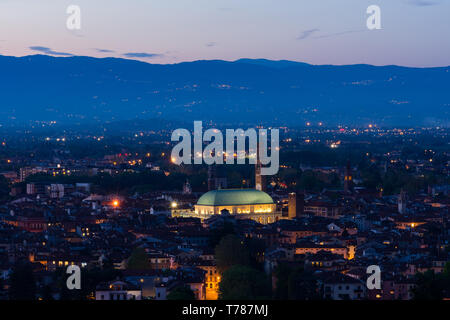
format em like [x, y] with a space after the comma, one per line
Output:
[4, 188]
[239, 263]
[138, 260]
[295, 283]
[241, 282]
[22, 282]
[431, 285]
[181, 293]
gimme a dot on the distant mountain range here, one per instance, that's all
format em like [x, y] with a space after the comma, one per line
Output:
[86, 89]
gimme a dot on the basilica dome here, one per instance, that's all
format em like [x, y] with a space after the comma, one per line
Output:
[234, 197]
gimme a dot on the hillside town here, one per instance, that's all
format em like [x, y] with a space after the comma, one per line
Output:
[290, 237]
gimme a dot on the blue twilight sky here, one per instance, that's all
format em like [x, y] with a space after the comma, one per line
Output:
[414, 32]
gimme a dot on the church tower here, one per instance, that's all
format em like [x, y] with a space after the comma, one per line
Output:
[401, 202]
[260, 181]
[187, 188]
[296, 205]
[211, 177]
[348, 178]
[217, 178]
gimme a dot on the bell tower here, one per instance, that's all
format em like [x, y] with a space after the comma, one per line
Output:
[260, 181]
[348, 178]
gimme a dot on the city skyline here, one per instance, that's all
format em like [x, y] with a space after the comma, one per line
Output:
[250, 154]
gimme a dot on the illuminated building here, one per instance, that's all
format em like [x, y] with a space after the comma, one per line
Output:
[304, 248]
[117, 290]
[212, 280]
[254, 204]
[336, 286]
[240, 203]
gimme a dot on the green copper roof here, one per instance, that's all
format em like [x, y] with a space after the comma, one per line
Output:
[230, 197]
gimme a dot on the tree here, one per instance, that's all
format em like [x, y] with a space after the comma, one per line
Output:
[256, 248]
[447, 269]
[219, 233]
[310, 181]
[431, 286]
[47, 293]
[244, 283]
[22, 285]
[4, 187]
[295, 284]
[181, 293]
[371, 177]
[302, 286]
[138, 260]
[231, 251]
[281, 273]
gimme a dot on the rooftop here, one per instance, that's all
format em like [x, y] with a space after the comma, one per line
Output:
[230, 197]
